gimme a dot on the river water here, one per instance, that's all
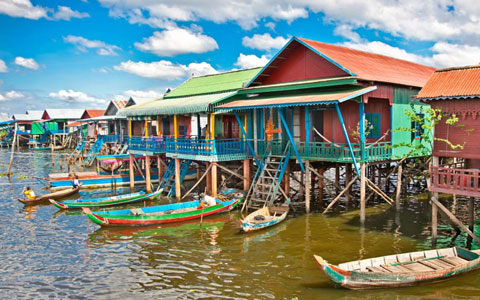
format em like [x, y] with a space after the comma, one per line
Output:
[47, 254]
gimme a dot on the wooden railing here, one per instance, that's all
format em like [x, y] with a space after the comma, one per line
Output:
[205, 147]
[444, 179]
[155, 144]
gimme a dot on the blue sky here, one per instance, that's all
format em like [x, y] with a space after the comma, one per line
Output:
[83, 53]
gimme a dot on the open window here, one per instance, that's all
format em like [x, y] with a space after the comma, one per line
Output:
[372, 127]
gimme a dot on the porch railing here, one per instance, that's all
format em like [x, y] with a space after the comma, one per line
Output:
[446, 179]
[205, 147]
[155, 144]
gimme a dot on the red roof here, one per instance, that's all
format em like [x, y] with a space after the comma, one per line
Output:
[374, 67]
[453, 82]
[92, 113]
[76, 124]
[120, 103]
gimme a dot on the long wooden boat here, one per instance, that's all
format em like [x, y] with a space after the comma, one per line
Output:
[402, 269]
[46, 197]
[106, 201]
[161, 214]
[265, 217]
[46, 148]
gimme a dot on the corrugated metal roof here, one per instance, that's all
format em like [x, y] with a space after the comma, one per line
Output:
[64, 114]
[209, 84]
[35, 114]
[119, 103]
[300, 100]
[92, 113]
[374, 67]
[460, 82]
[182, 105]
[25, 117]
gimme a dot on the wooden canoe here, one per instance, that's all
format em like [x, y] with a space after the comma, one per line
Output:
[160, 214]
[265, 217]
[46, 197]
[106, 201]
[401, 269]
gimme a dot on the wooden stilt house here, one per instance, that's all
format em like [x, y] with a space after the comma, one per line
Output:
[182, 126]
[455, 169]
[328, 104]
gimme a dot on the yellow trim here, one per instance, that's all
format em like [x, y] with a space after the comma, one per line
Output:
[212, 126]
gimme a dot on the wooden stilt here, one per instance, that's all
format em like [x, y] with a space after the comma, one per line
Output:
[286, 179]
[362, 192]
[214, 179]
[321, 183]
[307, 186]
[337, 176]
[471, 217]
[132, 174]
[209, 181]
[399, 187]
[160, 169]
[148, 179]
[348, 178]
[341, 193]
[13, 151]
[198, 182]
[178, 189]
[246, 175]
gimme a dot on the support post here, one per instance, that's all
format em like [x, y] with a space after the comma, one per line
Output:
[177, 179]
[160, 169]
[246, 175]
[209, 179]
[175, 127]
[399, 187]
[307, 186]
[362, 129]
[471, 216]
[337, 176]
[286, 178]
[321, 171]
[435, 162]
[148, 181]
[348, 178]
[214, 179]
[132, 173]
[362, 193]
[129, 128]
[340, 118]
[159, 126]
[292, 142]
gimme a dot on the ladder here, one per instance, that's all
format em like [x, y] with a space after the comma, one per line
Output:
[266, 183]
[168, 179]
[94, 151]
[77, 151]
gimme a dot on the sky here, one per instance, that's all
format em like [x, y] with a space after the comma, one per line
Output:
[84, 53]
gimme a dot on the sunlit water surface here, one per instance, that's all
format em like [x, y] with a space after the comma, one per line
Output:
[51, 254]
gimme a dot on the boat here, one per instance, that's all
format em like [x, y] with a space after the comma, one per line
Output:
[265, 217]
[160, 214]
[401, 269]
[46, 148]
[106, 201]
[46, 197]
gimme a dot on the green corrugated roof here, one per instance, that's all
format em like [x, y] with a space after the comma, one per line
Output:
[209, 84]
[182, 105]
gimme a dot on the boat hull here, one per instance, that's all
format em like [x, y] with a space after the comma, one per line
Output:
[97, 181]
[103, 202]
[250, 224]
[356, 280]
[55, 195]
[104, 219]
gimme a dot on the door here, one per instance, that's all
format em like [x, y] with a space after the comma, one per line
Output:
[317, 124]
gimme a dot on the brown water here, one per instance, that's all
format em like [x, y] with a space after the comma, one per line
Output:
[50, 254]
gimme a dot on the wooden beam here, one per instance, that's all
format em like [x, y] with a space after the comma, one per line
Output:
[214, 179]
[148, 181]
[437, 203]
[178, 189]
[345, 133]
[132, 173]
[231, 172]
[198, 182]
[362, 193]
[399, 187]
[246, 175]
[340, 195]
[307, 186]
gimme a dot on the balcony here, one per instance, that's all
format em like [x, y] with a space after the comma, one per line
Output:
[113, 138]
[452, 179]
[195, 148]
[146, 145]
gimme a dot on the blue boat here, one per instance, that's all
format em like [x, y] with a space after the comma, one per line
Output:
[265, 217]
[106, 201]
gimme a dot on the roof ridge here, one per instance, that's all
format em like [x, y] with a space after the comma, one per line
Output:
[458, 68]
[223, 73]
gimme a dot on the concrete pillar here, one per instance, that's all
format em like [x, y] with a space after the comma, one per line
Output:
[177, 179]
[148, 180]
[132, 173]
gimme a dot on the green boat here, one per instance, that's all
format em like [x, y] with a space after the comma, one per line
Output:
[160, 214]
[400, 270]
[106, 201]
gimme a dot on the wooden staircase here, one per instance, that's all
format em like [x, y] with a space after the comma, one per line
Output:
[78, 150]
[94, 151]
[266, 183]
[168, 179]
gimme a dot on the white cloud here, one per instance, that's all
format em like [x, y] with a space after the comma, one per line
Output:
[251, 61]
[264, 42]
[23, 9]
[10, 95]
[347, 32]
[101, 70]
[74, 96]
[174, 41]
[164, 69]
[28, 63]
[162, 13]
[3, 67]
[138, 95]
[66, 13]
[82, 44]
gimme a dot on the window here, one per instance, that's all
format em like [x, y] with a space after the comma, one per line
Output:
[182, 130]
[418, 130]
[373, 125]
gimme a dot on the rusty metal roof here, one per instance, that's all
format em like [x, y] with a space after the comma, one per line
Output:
[299, 100]
[459, 82]
[371, 66]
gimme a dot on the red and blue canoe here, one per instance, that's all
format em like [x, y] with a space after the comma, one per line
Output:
[160, 214]
[106, 201]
